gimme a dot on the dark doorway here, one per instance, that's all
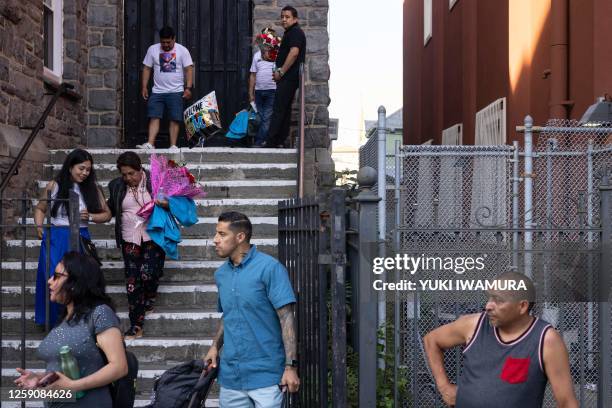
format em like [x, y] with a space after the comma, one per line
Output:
[218, 36]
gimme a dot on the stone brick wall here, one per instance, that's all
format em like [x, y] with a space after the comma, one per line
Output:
[104, 74]
[23, 87]
[312, 16]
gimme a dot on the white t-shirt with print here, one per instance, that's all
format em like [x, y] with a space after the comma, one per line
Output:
[168, 75]
[263, 73]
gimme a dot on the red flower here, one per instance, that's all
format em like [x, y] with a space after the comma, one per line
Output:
[191, 178]
[172, 163]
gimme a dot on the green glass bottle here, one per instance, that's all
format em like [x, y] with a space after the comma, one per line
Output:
[70, 367]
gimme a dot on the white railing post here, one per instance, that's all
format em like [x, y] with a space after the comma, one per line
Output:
[528, 177]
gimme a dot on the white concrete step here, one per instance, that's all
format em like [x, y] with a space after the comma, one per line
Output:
[175, 272]
[212, 403]
[218, 183]
[178, 321]
[173, 295]
[201, 220]
[188, 248]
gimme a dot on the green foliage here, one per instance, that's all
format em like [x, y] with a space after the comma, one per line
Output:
[384, 379]
[385, 384]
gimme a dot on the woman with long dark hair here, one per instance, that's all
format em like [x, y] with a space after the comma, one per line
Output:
[77, 174]
[88, 325]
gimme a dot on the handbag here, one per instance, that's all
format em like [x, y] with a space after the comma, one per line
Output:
[89, 248]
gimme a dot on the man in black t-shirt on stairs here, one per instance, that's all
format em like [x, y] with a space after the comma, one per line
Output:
[291, 54]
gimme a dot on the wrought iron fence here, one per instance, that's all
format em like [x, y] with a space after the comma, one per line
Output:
[299, 243]
[327, 247]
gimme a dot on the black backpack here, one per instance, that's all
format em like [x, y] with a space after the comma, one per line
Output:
[123, 390]
[185, 385]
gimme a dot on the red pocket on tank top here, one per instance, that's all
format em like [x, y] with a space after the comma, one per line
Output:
[516, 370]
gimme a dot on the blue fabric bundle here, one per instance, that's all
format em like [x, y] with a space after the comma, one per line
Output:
[163, 228]
[238, 127]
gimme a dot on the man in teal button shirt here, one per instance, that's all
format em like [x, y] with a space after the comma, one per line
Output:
[257, 331]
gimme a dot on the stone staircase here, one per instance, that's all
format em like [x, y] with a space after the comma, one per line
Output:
[251, 181]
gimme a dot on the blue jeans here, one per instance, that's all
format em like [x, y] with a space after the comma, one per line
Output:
[267, 397]
[264, 100]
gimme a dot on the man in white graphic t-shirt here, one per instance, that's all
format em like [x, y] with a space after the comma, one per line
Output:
[172, 82]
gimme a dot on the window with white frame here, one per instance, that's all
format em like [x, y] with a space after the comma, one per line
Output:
[53, 38]
[491, 130]
[427, 21]
[453, 135]
[451, 188]
[451, 3]
[491, 124]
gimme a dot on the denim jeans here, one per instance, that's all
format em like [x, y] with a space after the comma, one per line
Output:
[171, 102]
[264, 100]
[267, 397]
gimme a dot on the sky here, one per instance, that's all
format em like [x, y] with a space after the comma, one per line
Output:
[365, 61]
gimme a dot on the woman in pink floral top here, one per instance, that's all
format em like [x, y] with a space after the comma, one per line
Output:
[144, 260]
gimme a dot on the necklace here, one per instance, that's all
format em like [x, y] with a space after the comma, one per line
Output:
[134, 191]
[140, 188]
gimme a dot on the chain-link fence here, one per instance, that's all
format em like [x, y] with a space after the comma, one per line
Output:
[461, 202]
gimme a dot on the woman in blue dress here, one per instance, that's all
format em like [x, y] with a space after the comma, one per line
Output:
[77, 174]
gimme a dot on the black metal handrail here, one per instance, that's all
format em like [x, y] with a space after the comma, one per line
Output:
[302, 133]
[63, 88]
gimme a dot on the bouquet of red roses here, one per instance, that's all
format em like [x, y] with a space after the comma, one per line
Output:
[169, 179]
[268, 42]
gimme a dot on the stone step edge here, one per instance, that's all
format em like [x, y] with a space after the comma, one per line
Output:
[138, 403]
[169, 264]
[226, 202]
[201, 220]
[218, 183]
[199, 166]
[15, 344]
[163, 288]
[111, 244]
[185, 150]
[29, 315]
[142, 373]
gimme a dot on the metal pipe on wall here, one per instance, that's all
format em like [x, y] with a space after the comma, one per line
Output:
[559, 60]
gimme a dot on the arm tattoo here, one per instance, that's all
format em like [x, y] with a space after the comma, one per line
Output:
[287, 321]
[218, 340]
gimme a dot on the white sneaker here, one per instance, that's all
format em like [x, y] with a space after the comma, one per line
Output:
[145, 146]
[174, 148]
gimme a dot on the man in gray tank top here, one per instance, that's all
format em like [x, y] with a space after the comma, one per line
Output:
[509, 355]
